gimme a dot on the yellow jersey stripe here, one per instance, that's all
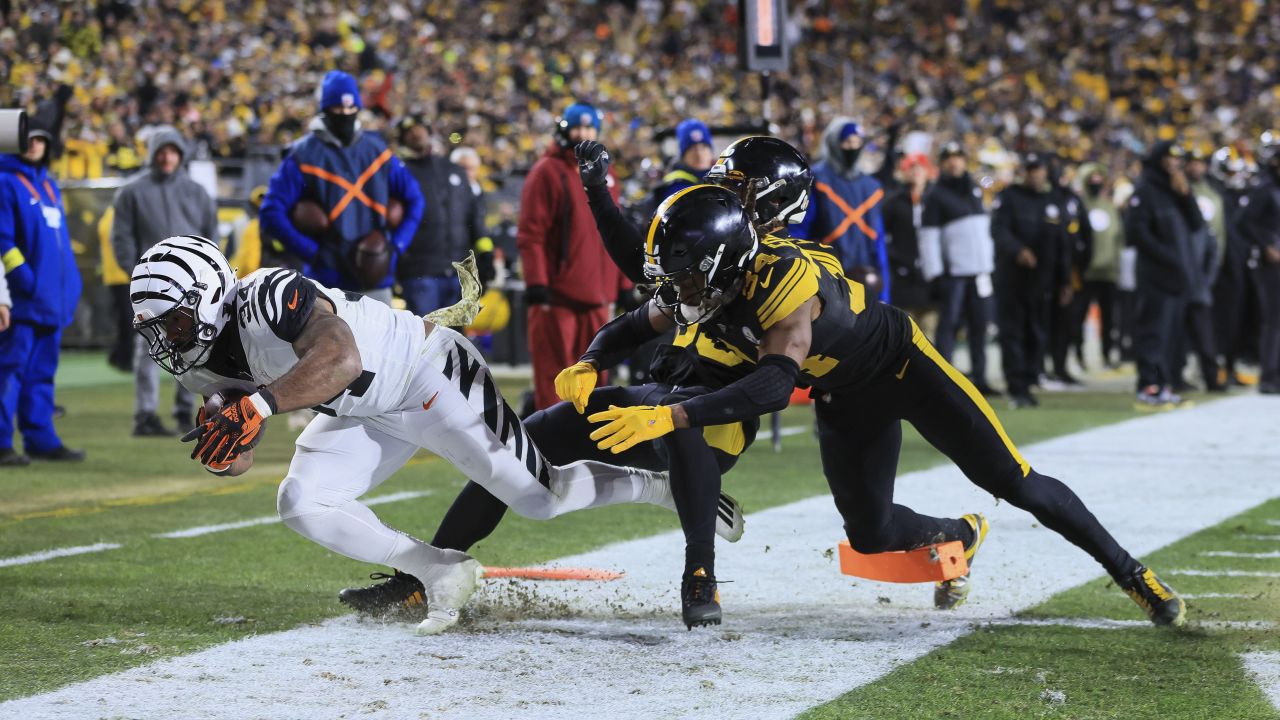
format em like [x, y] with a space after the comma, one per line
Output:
[657, 215]
[918, 338]
[804, 287]
[12, 259]
[780, 290]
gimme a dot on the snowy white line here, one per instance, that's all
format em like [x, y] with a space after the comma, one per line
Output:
[1215, 596]
[56, 553]
[1265, 669]
[1110, 624]
[267, 520]
[1271, 538]
[1274, 554]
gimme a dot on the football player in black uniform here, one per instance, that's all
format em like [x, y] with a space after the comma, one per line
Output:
[788, 313]
[779, 178]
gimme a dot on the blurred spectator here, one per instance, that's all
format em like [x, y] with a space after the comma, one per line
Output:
[249, 251]
[1259, 223]
[1104, 263]
[570, 281]
[453, 224]
[844, 210]
[1064, 332]
[1203, 271]
[958, 255]
[351, 175]
[40, 270]
[160, 202]
[1032, 272]
[469, 160]
[1232, 175]
[903, 213]
[693, 138]
[1163, 218]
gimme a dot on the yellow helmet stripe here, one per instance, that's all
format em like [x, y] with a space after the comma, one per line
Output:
[657, 215]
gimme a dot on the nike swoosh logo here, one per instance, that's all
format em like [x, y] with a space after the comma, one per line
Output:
[764, 282]
[35, 202]
[903, 371]
[427, 405]
[293, 304]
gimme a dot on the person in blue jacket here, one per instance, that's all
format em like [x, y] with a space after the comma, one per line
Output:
[45, 284]
[352, 175]
[845, 208]
[693, 137]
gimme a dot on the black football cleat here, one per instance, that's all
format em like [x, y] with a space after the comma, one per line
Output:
[396, 592]
[1161, 603]
[699, 599]
[62, 453]
[149, 425]
[951, 594]
[12, 458]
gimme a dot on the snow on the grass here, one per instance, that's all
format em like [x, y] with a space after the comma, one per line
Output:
[1264, 667]
[796, 632]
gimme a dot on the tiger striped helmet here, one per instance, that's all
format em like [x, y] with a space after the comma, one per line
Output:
[182, 292]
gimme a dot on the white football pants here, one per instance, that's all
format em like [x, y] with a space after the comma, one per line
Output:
[451, 407]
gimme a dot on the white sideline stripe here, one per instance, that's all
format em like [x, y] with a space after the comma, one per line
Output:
[1274, 522]
[1110, 624]
[797, 632]
[1272, 538]
[1233, 554]
[1213, 595]
[1265, 669]
[790, 430]
[208, 529]
[56, 553]
[1225, 573]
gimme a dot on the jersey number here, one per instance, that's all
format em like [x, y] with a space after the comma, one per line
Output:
[357, 388]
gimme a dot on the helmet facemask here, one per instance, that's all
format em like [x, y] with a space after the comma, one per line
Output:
[177, 340]
[696, 294]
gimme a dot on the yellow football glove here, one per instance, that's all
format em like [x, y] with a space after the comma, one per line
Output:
[630, 426]
[575, 383]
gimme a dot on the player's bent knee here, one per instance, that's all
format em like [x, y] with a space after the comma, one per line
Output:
[295, 498]
[534, 508]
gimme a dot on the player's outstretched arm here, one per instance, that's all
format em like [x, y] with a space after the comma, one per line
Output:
[328, 361]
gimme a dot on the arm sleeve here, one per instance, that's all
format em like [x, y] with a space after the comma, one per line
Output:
[930, 238]
[619, 337]
[766, 389]
[284, 300]
[123, 243]
[538, 203]
[283, 192]
[622, 239]
[1002, 230]
[405, 186]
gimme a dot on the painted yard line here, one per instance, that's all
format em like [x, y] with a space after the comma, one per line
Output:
[1110, 624]
[1274, 522]
[56, 553]
[1265, 669]
[1224, 573]
[1233, 554]
[797, 632]
[267, 520]
[1272, 538]
[1214, 596]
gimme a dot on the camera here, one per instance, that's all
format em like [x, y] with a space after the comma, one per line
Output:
[13, 131]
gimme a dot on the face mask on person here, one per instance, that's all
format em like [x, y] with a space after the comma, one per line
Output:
[850, 156]
[1093, 188]
[341, 125]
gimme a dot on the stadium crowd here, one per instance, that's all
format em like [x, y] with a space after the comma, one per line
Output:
[998, 117]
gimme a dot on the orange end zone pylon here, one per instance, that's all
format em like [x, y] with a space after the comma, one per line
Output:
[933, 563]
[536, 573]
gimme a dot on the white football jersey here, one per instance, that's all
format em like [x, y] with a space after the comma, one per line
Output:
[272, 305]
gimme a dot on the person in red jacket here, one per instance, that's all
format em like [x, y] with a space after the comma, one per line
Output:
[570, 281]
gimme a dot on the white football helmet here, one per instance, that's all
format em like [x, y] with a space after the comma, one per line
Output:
[182, 292]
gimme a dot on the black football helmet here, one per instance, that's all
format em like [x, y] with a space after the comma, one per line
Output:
[776, 173]
[699, 244]
[1269, 152]
[1231, 168]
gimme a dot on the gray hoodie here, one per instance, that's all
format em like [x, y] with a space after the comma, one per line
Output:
[152, 206]
[831, 153]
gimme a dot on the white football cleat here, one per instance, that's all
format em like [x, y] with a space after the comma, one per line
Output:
[730, 524]
[449, 587]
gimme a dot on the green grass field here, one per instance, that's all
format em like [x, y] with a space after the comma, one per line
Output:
[75, 618]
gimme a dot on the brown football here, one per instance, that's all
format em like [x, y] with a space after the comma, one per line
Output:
[309, 218]
[395, 213]
[372, 259]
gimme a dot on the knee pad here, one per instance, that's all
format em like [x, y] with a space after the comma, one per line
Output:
[294, 498]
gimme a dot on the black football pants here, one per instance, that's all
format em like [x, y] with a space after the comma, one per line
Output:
[860, 435]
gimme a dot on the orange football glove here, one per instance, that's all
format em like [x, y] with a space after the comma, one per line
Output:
[224, 436]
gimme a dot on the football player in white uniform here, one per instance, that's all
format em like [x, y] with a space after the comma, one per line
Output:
[385, 383]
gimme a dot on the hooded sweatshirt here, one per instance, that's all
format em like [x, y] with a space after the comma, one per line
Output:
[1108, 232]
[1161, 225]
[153, 206]
[35, 246]
[844, 209]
